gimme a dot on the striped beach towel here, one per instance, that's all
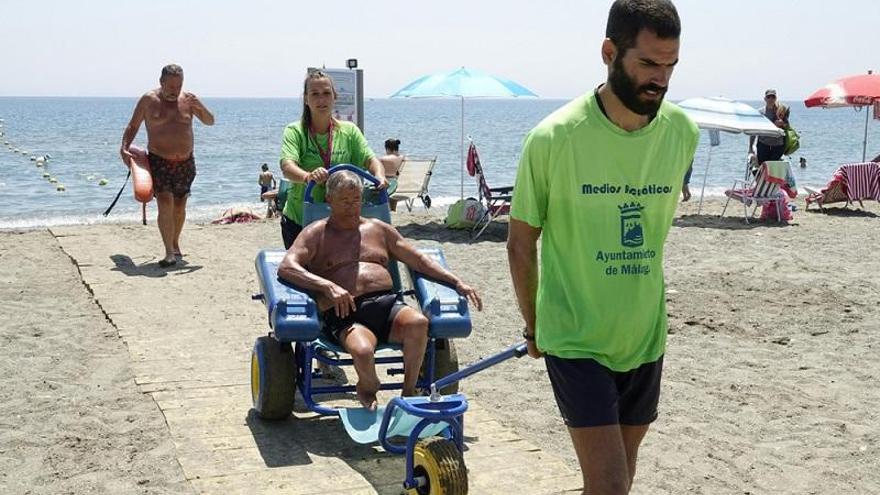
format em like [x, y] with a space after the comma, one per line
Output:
[779, 172]
[862, 180]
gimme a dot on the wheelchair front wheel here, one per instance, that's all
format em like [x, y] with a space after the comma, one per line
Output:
[439, 467]
[273, 378]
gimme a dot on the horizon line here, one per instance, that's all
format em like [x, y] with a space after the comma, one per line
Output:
[230, 97]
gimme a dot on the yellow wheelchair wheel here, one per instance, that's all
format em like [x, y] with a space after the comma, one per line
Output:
[273, 378]
[440, 465]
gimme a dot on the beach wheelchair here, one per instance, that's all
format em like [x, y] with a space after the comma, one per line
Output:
[283, 362]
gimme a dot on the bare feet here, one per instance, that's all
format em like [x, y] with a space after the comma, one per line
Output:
[367, 396]
[685, 193]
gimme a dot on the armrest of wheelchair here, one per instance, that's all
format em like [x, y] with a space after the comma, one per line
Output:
[447, 312]
[293, 314]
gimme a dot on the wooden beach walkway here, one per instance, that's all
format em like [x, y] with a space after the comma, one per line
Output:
[189, 332]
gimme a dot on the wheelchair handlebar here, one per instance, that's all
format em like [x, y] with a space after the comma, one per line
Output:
[514, 351]
[383, 194]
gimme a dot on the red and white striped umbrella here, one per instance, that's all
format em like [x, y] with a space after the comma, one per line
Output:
[852, 91]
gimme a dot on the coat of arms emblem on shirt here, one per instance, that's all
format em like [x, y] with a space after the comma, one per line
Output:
[631, 225]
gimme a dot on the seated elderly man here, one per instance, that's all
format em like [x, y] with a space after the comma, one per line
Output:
[343, 261]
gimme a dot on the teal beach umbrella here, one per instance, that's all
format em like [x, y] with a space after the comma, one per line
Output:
[462, 83]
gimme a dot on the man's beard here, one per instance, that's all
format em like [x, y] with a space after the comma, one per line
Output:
[168, 97]
[627, 92]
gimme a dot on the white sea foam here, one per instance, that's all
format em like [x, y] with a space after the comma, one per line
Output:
[196, 215]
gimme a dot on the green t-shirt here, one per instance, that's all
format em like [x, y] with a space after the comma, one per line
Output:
[605, 199]
[349, 146]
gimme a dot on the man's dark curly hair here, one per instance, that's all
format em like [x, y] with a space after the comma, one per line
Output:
[628, 18]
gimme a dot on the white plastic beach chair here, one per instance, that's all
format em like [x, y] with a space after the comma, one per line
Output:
[757, 192]
[412, 181]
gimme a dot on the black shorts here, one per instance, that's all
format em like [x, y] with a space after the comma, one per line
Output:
[375, 310]
[589, 394]
[769, 152]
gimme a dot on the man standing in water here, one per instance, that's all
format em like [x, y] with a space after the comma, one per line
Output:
[768, 148]
[598, 183]
[168, 112]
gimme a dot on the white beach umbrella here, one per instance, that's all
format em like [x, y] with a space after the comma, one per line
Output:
[717, 114]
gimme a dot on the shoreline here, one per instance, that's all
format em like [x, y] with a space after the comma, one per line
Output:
[205, 214]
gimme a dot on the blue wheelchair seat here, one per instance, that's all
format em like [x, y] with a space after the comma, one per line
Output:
[294, 315]
[322, 342]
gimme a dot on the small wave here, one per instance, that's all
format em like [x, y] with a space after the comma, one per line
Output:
[201, 214]
[31, 223]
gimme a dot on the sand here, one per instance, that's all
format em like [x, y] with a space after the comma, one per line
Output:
[71, 418]
[770, 383]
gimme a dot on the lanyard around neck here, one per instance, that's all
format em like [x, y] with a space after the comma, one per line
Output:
[327, 154]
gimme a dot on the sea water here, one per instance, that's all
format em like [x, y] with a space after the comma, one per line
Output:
[82, 136]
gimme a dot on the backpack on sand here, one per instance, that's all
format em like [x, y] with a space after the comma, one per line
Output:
[464, 213]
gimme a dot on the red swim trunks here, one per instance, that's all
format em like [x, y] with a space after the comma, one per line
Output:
[174, 176]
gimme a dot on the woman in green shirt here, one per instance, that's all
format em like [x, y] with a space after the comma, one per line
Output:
[316, 143]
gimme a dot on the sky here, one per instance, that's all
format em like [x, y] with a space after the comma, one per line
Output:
[261, 48]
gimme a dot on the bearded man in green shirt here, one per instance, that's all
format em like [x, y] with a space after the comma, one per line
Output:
[598, 183]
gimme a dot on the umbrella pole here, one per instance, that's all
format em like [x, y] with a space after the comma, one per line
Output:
[705, 176]
[461, 149]
[865, 138]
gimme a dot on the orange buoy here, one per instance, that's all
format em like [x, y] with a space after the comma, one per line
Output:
[140, 175]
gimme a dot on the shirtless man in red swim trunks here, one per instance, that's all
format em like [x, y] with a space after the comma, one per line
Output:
[168, 113]
[343, 261]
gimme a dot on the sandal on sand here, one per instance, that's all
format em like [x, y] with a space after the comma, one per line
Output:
[166, 263]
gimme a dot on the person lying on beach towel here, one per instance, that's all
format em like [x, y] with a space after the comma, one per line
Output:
[236, 215]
